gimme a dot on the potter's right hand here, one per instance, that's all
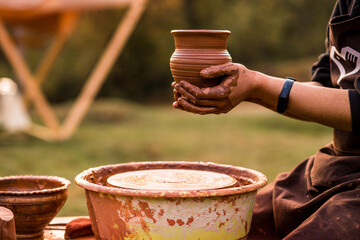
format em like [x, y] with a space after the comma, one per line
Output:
[234, 88]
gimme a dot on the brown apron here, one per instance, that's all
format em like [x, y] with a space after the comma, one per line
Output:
[320, 198]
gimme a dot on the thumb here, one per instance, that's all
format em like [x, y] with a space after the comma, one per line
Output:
[219, 70]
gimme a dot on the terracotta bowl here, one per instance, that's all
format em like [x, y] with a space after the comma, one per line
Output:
[157, 213]
[34, 200]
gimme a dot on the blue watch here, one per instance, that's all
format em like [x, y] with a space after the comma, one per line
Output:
[284, 95]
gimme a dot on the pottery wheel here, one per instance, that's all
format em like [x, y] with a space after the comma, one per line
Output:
[171, 179]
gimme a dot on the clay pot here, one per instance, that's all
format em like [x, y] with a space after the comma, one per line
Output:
[34, 200]
[125, 213]
[196, 50]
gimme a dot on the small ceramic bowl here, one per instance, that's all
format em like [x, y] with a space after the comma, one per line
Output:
[34, 200]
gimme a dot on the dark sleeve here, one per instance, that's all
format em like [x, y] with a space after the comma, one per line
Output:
[354, 98]
[354, 95]
[320, 71]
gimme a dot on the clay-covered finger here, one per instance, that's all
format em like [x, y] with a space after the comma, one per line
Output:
[209, 103]
[176, 94]
[189, 107]
[177, 105]
[211, 93]
[202, 102]
[188, 90]
[219, 70]
[224, 109]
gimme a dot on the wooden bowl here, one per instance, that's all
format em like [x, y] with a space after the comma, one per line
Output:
[34, 200]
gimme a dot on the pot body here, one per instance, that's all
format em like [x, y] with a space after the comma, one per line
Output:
[196, 50]
[210, 218]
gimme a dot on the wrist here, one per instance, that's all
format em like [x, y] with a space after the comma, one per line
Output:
[256, 84]
[265, 90]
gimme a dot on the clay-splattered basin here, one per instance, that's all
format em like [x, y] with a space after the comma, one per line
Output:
[34, 200]
[119, 213]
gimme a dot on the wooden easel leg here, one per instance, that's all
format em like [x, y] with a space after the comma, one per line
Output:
[101, 70]
[42, 133]
[67, 26]
[18, 63]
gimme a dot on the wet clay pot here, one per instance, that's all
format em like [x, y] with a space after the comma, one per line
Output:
[126, 213]
[196, 50]
[34, 201]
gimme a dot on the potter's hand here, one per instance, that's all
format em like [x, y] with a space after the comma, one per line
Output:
[218, 99]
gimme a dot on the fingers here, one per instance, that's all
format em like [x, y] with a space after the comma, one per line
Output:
[177, 106]
[198, 101]
[176, 94]
[219, 70]
[193, 99]
[218, 92]
[183, 104]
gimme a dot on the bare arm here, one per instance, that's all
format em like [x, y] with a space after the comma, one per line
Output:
[307, 101]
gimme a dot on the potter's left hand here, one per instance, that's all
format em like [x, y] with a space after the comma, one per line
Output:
[233, 89]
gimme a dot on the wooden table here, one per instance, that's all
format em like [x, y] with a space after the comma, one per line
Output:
[56, 229]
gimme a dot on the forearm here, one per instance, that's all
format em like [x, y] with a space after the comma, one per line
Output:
[309, 102]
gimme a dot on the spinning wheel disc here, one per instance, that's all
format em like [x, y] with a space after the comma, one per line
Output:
[171, 179]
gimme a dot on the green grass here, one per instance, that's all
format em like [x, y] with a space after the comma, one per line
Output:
[117, 132]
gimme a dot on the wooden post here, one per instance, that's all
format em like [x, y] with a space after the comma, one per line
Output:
[41, 104]
[66, 28]
[101, 70]
[7, 224]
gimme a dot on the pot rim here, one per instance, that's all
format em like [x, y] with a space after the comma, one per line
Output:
[258, 180]
[199, 31]
[64, 184]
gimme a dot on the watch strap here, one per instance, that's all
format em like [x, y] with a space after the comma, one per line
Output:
[284, 95]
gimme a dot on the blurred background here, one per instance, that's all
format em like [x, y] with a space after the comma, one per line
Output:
[268, 36]
[132, 118]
